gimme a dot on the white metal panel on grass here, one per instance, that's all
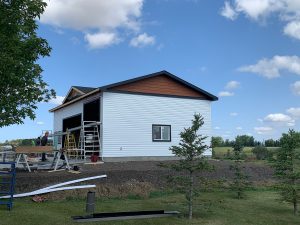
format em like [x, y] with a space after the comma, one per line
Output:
[128, 119]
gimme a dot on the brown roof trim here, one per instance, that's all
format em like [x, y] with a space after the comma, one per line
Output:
[74, 100]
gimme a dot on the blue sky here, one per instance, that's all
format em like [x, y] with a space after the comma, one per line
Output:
[244, 51]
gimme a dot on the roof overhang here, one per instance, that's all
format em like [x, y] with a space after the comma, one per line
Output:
[75, 100]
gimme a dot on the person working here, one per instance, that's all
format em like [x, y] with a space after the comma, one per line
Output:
[44, 142]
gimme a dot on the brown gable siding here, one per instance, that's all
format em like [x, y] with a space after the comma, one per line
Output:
[159, 85]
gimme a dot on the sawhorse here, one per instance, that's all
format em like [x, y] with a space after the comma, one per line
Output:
[24, 162]
[57, 157]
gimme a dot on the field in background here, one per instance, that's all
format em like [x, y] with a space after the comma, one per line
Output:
[213, 208]
[227, 152]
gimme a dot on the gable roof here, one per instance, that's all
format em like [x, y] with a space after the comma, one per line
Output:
[87, 91]
[84, 89]
[163, 72]
[75, 92]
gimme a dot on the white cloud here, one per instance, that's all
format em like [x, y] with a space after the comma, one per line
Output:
[229, 86]
[258, 10]
[40, 123]
[293, 29]
[239, 128]
[296, 87]
[225, 94]
[263, 130]
[142, 40]
[99, 20]
[232, 85]
[233, 114]
[57, 101]
[217, 128]
[93, 14]
[228, 11]
[294, 112]
[101, 40]
[272, 68]
[277, 117]
[280, 119]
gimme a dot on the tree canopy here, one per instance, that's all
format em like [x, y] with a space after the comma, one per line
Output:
[21, 82]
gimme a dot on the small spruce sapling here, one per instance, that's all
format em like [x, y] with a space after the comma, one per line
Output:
[287, 168]
[190, 151]
[240, 180]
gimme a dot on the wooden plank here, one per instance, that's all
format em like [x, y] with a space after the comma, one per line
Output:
[34, 149]
[51, 171]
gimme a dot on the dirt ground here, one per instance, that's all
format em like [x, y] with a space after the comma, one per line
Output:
[127, 176]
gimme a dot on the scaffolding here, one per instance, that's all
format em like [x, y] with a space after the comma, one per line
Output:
[89, 142]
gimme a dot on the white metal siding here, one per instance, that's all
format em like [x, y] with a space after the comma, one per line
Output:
[65, 112]
[128, 119]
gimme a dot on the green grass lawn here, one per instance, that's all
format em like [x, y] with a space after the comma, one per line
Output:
[213, 208]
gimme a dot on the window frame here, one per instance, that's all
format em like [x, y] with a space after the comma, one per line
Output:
[162, 140]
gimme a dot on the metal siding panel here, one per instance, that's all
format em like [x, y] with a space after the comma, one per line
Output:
[68, 111]
[128, 119]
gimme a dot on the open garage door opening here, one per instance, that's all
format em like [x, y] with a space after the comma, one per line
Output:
[91, 111]
[72, 122]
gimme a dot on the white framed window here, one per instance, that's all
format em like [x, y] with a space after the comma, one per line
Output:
[161, 133]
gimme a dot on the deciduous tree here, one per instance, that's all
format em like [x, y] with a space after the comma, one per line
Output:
[22, 86]
[217, 142]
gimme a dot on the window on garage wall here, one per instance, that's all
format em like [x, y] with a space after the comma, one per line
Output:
[161, 133]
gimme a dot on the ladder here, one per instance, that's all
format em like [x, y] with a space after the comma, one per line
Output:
[90, 143]
[70, 145]
[7, 183]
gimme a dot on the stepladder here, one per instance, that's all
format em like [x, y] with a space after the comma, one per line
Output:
[70, 146]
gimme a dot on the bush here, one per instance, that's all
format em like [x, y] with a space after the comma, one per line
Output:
[261, 152]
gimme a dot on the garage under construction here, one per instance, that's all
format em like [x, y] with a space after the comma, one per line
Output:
[80, 134]
[135, 119]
